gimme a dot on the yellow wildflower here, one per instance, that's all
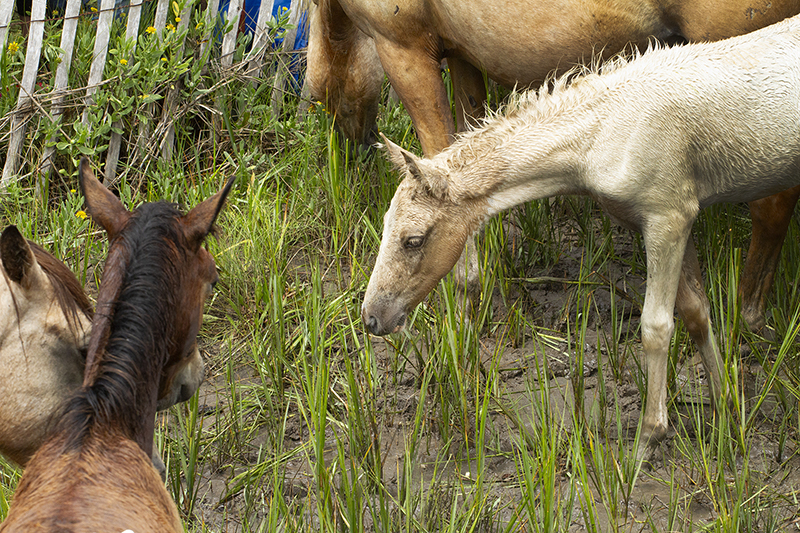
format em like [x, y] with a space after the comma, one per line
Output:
[94, 9]
[72, 190]
[151, 30]
[123, 62]
[164, 59]
[177, 19]
[81, 215]
[13, 47]
[170, 27]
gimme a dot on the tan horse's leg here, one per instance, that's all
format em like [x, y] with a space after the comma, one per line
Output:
[693, 308]
[416, 77]
[771, 218]
[469, 92]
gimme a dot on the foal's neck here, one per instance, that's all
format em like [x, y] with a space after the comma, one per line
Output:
[528, 155]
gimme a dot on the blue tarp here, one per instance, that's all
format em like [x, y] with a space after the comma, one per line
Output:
[251, 8]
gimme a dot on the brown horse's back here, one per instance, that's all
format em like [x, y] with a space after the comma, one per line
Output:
[115, 500]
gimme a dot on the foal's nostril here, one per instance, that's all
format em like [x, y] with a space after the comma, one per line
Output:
[372, 325]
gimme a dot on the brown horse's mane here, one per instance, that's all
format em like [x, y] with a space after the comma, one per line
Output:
[68, 291]
[132, 316]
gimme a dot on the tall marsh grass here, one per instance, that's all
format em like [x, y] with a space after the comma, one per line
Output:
[523, 418]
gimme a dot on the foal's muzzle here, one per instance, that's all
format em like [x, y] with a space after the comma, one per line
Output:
[381, 326]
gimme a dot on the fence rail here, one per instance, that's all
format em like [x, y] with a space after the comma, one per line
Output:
[224, 29]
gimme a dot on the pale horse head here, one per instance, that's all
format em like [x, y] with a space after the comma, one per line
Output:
[45, 320]
[424, 233]
[344, 72]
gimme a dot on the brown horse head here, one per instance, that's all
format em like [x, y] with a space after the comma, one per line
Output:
[344, 71]
[155, 282]
[424, 233]
[93, 473]
[44, 328]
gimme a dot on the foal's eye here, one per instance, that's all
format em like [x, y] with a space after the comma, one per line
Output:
[413, 243]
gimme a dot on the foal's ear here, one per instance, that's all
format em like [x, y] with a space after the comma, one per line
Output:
[102, 205]
[17, 256]
[199, 221]
[418, 168]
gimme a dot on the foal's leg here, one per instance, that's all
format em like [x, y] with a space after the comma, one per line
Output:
[771, 218]
[665, 241]
[693, 308]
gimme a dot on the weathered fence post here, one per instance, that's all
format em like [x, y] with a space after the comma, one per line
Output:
[173, 93]
[6, 8]
[229, 40]
[26, 87]
[255, 66]
[283, 69]
[145, 128]
[68, 34]
[114, 144]
[104, 20]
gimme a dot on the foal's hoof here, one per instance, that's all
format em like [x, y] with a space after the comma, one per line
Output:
[649, 456]
[649, 448]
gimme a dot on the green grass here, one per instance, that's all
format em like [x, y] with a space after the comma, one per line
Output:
[307, 424]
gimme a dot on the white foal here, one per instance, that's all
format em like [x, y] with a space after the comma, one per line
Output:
[653, 140]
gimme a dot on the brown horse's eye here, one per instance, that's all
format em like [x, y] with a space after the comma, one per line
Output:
[412, 243]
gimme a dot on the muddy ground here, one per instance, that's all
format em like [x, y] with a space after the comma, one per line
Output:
[609, 388]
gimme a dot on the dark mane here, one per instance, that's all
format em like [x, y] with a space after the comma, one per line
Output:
[68, 291]
[133, 314]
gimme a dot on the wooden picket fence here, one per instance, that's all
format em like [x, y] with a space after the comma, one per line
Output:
[29, 103]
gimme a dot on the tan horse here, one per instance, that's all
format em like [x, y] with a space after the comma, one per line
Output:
[516, 43]
[44, 322]
[94, 472]
[653, 141]
[45, 319]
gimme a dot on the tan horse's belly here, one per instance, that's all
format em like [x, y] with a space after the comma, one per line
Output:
[712, 20]
[499, 36]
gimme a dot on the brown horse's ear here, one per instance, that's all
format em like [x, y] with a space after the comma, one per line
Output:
[17, 257]
[102, 205]
[199, 221]
[418, 168]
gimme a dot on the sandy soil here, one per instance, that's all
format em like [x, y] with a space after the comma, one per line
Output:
[607, 390]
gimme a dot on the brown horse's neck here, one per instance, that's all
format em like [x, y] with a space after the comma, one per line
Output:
[130, 336]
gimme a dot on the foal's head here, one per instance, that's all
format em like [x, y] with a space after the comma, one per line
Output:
[155, 282]
[40, 298]
[424, 233]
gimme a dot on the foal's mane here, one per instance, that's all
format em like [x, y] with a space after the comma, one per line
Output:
[132, 322]
[558, 99]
